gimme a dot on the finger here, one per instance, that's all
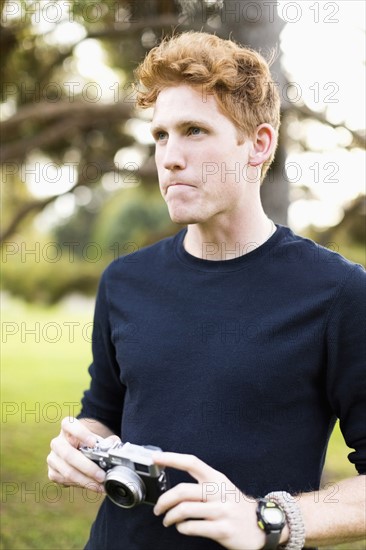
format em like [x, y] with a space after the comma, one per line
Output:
[113, 438]
[75, 460]
[61, 472]
[77, 433]
[179, 493]
[188, 463]
[82, 482]
[191, 510]
[201, 528]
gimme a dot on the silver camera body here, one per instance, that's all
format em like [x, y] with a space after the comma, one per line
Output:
[132, 477]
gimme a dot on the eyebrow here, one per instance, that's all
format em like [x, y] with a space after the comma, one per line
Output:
[181, 125]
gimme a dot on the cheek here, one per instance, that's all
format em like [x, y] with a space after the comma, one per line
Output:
[157, 161]
[160, 170]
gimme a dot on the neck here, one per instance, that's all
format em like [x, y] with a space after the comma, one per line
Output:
[227, 239]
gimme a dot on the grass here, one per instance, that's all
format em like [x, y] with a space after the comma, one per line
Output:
[43, 374]
[41, 383]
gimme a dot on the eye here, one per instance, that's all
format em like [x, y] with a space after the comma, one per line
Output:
[160, 136]
[195, 131]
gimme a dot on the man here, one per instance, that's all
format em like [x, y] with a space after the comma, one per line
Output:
[233, 345]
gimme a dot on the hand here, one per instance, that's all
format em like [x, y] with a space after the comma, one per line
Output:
[213, 508]
[67, 465]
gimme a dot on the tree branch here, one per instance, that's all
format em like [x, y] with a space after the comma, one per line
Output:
[22, 213]
[358, 137]
[81, 115]
[147, 171]
[121, 30]
[44, 111]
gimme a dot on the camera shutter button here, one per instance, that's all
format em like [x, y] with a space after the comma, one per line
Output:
[162, 480]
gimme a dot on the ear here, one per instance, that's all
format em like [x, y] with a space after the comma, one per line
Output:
[263, 144]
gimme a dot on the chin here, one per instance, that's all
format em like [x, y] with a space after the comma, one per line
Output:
[179, 215]
[184, 218]
[181, 220]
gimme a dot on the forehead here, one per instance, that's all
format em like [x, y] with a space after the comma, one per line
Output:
[178, 103]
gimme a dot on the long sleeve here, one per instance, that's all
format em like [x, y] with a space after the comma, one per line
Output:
[103, 401]
[346, 365]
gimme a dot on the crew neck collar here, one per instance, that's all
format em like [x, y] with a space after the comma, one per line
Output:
[232, 264]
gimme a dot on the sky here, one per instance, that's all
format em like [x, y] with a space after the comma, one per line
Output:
[323, 46]
[324, 53]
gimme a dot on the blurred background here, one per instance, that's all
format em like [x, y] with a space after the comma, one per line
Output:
[79, 188]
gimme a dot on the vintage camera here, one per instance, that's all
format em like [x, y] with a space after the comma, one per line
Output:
[132, 477]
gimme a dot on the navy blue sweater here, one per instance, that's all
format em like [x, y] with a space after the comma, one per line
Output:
[245, 363]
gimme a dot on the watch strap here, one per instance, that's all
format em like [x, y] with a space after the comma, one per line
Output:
[271, 531]
[294, 519]
[272, 540]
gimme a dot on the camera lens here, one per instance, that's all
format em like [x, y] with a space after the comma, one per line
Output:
[124, 487]
[120, 491]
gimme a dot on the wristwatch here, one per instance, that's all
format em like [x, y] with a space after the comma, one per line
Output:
[271, 519]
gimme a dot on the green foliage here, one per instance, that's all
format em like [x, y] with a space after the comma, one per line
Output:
[349, 236]
[135, 217]
[43, 271]
[49, 115]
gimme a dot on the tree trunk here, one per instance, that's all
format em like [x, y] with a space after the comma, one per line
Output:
[255, 24]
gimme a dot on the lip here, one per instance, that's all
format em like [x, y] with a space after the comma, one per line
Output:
[179, 184]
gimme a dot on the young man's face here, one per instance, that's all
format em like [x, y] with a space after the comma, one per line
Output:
[201, 167]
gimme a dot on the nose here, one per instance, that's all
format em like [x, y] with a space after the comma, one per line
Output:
[174, 156]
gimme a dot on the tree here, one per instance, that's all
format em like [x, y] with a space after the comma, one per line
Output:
[52, 115]
[59, 120]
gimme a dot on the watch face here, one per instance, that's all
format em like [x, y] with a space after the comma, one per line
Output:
[274, 516]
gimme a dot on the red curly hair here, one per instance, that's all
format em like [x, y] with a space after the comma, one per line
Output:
[237, 76]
